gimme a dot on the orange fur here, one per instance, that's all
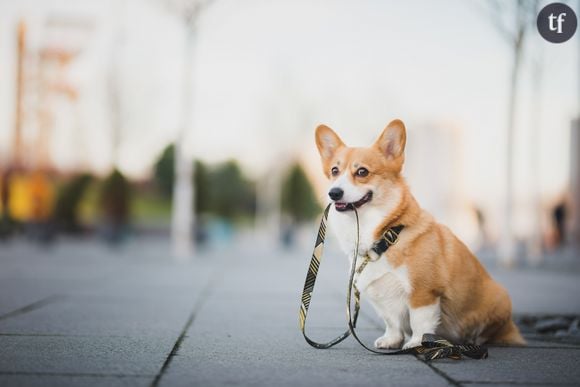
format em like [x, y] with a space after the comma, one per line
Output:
[440, 267]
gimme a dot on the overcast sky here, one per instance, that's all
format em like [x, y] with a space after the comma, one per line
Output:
[267, 72]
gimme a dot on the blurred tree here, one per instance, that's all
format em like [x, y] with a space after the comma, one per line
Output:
[222, 190]
[115, 197]
[164, 174]
[298, 198]
[66, 212]
[164, 171]
[230, 194]
[201, 181]
[7, 224]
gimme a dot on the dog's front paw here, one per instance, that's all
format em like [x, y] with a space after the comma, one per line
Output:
[388, 342]
[413, 342]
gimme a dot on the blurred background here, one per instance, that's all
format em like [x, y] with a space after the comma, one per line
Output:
[191, 123]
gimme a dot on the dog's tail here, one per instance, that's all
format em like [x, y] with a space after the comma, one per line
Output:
[508, 334]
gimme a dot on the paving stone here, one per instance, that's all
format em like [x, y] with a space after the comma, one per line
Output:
[539, 341]
[83, 355]
[507, 385]
[286, 360]
[517, 365]
[157, 317]
[18, 293]
[335, 371]
[541, 292]
[73, 381]
[237, 350]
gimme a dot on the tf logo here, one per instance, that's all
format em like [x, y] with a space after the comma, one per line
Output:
[557, 22]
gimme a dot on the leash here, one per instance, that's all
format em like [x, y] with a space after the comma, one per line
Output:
[309, 287]
[432, 346]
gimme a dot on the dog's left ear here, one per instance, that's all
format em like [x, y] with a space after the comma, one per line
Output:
[327, 142]
[392, 141]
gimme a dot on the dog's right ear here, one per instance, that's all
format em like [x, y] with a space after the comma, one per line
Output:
[391, 143]
[327, 142]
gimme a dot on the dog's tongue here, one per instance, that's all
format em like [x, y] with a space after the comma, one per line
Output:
[340, 205]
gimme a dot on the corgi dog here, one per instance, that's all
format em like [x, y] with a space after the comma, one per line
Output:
[428, 281]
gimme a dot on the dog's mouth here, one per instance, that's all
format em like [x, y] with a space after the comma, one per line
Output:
[344, 206]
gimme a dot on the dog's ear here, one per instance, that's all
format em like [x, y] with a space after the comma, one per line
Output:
[392, 141]
[327, 142]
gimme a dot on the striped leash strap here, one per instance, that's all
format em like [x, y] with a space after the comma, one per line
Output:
[432, 346]
[309, 287]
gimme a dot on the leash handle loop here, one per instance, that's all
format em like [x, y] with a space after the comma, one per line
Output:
[309, 286]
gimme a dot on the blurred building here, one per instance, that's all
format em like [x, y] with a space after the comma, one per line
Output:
[575, 178]
[45, 94]
[434, 171]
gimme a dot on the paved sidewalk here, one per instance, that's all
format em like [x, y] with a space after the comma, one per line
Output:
[82, 314]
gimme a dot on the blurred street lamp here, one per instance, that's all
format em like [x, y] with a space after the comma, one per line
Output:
[182, 218]
[115, 77]
[535, 239]
[21, 51]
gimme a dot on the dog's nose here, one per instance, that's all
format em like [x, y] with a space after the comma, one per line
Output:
[336, 193]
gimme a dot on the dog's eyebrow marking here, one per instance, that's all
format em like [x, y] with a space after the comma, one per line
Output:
[356, 165]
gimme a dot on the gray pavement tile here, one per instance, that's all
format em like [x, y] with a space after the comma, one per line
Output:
[158, 317]
[271, 316]
[224, 346]
[541, 292]
[287, 373]
[535, 343]
[279, 310]
[145, 280]
[271, 312]
[20, 380]
[267, 362]
[29, 307]
[259, 275]
[517, 365]
[16, 294]
[517, 384]
[83, 355]
[150, 300]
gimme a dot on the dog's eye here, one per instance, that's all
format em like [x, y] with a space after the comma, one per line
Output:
[334, 171]
[362, 172]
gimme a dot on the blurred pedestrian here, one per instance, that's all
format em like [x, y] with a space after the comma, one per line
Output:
[115, 206]
[559, 216]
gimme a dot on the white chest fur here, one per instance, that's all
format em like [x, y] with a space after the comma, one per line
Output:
[379, 277]
[379, 280]
[343, 224]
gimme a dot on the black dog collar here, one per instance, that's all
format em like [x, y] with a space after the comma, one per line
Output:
[389, 238]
